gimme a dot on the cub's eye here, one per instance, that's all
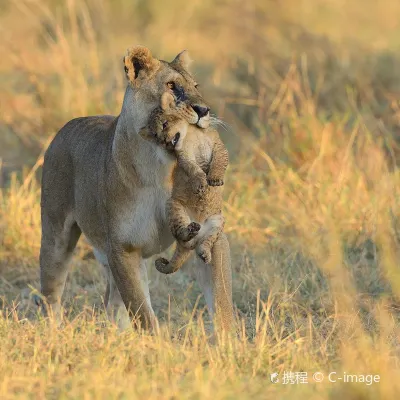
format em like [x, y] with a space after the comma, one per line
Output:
[165, 125]
[171, 85]
[196, 85]
[175, 139]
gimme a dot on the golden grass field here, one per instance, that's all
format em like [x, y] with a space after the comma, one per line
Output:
[310, 92]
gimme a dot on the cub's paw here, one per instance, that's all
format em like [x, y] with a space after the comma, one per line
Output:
[199, 184]
[187, 233]
[204, 254]
[215, 182]
[192, 229]
[162, 266]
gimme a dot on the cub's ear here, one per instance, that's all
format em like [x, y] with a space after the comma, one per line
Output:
[138, 63]
[167, 101]
[183, 60]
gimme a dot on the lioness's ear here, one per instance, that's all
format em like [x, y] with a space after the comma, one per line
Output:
[139, 62]
[167, 101]
[183, 59]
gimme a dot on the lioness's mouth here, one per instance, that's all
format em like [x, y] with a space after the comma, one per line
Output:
[203, 122]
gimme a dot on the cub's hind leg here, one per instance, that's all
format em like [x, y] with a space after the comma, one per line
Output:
[57, 245]
[213, 226]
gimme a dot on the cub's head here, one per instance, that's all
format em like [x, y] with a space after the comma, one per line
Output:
[149, 78]
[165, 126]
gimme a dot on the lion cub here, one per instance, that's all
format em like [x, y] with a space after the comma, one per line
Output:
[197, 183]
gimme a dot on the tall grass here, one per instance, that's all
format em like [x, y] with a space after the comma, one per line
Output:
[311, 199]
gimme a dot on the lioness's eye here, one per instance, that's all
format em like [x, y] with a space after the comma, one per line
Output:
[196, 85]
[171, 85]
[165, 125]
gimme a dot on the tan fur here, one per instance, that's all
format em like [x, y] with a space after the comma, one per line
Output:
[202, 159]
[140, 57]
[102, 179]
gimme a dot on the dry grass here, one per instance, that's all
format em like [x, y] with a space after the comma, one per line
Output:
[312, 198]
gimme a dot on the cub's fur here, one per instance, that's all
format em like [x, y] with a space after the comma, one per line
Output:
[101, 178]
[202, 158]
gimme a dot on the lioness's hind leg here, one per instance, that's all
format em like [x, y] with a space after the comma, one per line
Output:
[56, 250]
[204, 279]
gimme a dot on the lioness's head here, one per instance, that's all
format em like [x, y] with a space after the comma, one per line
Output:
[165, 126]
[149, 78]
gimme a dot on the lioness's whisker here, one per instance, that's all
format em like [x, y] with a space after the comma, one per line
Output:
[216, 122]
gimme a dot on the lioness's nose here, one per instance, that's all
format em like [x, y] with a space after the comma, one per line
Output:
[201, 111]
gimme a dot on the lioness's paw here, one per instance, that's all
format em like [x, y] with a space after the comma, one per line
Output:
[215, 182]
[37, 300]
[199, 184]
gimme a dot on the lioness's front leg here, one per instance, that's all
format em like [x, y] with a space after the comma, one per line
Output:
[115, 306]
[125, 265]
[215, 281]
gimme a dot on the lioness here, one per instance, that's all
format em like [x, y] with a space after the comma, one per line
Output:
[101, 178]
[202, 158]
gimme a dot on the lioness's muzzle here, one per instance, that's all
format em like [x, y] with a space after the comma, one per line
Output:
[201, 111]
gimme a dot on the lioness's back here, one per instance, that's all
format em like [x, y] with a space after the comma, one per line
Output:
[72, 158]
[81, 134]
